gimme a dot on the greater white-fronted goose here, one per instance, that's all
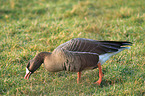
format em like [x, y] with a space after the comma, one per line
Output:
[77, 55]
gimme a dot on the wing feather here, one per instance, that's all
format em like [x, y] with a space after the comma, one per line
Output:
[78, 61]
[93, 46]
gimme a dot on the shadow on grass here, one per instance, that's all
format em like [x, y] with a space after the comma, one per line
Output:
[6, 11]
[111, 82]
[119, 77]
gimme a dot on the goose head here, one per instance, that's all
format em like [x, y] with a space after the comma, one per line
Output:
[35, 63]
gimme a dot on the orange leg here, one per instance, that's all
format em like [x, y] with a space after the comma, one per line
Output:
[100, 74]
[79, 77]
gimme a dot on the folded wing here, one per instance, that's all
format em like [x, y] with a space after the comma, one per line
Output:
[93, 46]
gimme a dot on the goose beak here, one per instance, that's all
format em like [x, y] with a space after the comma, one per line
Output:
[28, 73]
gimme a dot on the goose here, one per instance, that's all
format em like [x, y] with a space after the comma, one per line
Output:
[76, 55]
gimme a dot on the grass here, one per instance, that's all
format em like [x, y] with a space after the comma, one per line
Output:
[28, 27]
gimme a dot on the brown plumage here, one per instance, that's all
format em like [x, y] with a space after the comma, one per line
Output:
[77, 55]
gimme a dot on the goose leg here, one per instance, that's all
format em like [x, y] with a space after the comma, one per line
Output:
[100, 74]
[79, 77]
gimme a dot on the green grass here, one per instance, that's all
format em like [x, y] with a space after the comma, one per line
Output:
[28, 27]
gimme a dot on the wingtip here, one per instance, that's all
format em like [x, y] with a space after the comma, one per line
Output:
[127, 43]
[125, 47]
[128, 47]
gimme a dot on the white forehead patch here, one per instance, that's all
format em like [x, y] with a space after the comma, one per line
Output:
[27, 71]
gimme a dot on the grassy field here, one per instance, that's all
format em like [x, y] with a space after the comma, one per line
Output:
[28, 27]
